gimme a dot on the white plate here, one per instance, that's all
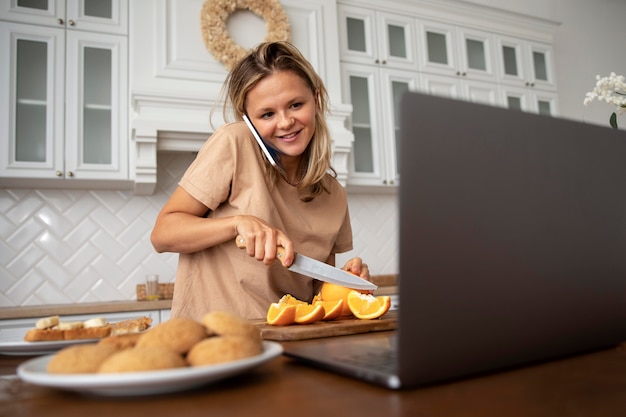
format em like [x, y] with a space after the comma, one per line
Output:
[142, 383]
[38, 348]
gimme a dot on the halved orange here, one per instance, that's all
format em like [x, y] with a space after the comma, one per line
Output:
[281, 314]
[333, 309]
[309, 313]
[367, 306]
[334, 292]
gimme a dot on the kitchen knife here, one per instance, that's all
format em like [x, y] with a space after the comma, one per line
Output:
[319, 270]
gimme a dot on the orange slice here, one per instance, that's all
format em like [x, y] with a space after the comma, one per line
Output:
[333, 309]
[281, 314]
[367, 306]
[309, 313]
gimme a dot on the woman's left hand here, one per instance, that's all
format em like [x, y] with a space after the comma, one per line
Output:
[357, 267]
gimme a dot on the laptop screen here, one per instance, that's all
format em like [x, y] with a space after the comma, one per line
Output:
[512, 237]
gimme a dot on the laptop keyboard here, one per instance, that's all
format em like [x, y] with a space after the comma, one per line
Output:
[380, 360]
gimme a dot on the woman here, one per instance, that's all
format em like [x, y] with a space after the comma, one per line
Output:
[231, 189]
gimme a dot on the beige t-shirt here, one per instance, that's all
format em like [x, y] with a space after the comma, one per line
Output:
[228, 177]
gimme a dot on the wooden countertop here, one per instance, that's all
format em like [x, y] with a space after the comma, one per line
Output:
[588, 385]
[82, 308]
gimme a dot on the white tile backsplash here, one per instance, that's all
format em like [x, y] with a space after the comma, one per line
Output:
[73, 246]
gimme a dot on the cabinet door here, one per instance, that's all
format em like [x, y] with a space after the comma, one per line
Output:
[374, 95]
[37, 12]
[476, 54]
[396, 36]
[357, 34]
[394, 83]
[360, 89]
[95, 119]
[438, 48]
[31, 90]
[108, 16]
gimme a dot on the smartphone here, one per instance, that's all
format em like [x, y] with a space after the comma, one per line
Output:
[270, 153]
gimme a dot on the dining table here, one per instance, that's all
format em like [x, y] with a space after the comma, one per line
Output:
[589, 384]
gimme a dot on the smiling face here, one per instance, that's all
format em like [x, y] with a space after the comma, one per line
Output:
[282, 108]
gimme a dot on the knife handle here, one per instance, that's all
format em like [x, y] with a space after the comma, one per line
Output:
[280, 251]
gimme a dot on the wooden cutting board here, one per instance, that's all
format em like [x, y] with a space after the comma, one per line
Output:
[339, 327]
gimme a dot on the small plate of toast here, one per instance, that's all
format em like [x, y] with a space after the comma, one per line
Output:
[51, 334]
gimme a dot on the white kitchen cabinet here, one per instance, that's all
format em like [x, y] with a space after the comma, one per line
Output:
[379, 63]
[374, 94]
[450, 49]
[526, 74]
[375, 37]
[64, 85]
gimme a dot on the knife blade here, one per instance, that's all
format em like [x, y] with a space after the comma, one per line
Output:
[319, 270]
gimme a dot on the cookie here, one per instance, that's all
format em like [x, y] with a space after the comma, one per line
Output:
[227, 324]
[178, 334]
[139, 359]
[221, 349]
[80, 359]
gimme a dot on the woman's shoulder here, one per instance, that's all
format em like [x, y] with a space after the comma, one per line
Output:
[230, 134]
[233, 130]
[333, 186]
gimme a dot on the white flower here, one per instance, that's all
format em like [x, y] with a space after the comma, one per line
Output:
[611, 89]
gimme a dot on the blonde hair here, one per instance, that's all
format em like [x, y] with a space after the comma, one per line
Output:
[264, 60]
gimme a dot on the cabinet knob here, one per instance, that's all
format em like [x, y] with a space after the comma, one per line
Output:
[377, 61]
[464, 74]
[384, 62]
[70, 174]
[71, 22]
[58, 174]
[60, 21]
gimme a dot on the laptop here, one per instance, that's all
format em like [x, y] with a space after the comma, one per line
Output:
[512, 246]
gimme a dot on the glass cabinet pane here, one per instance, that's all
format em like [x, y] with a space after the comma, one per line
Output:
[362, 127]
[397, 41]
[476, 58]
[31, 110]
[99, 8]
[544, 107]
[437, 48]
[398, 89]
[509, 58]
[540, 66]
[33, 4]
[514, 103]
[356, 34]
[97, 106]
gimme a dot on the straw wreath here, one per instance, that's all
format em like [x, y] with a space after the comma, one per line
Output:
[215, 14]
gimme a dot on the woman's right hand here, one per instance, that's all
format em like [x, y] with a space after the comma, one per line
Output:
[182, 227]
[262, 240]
